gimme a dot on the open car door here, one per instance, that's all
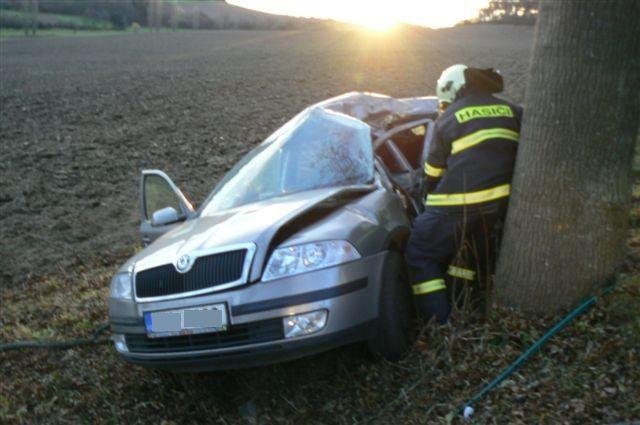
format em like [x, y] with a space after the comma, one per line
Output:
[163, 205]
[403, 150]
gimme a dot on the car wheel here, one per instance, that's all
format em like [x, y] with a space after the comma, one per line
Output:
[393, 334]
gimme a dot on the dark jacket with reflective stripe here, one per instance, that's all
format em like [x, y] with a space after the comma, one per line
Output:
[473, 151]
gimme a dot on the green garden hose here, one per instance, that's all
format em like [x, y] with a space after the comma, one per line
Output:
[467, 409]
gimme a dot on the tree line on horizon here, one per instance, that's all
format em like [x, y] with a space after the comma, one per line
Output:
[194, 14]
[153, 14]
[515, 12]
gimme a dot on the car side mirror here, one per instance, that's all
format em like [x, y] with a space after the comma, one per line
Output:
[162, 205]
[159, 192]
[164, 216]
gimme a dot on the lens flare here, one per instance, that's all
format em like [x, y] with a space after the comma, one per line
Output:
[374, 14]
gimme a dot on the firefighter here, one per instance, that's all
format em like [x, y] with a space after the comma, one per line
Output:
[468, 173]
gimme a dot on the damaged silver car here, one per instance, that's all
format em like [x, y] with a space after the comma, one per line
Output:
[297, 250]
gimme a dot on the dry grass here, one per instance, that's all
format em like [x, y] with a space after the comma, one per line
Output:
[590, 372]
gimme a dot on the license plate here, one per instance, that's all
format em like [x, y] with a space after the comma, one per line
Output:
[196, 320]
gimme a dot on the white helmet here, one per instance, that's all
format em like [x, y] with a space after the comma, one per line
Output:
[449, 84]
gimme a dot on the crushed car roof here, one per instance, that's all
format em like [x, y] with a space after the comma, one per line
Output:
[380, 111]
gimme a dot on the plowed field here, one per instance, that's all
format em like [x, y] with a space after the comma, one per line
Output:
[81, 116]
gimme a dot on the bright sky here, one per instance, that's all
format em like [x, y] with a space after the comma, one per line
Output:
[376, 14]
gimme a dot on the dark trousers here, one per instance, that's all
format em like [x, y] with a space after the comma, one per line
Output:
[455, 242]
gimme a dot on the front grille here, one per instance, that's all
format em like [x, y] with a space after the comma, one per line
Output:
[206, 272]
[237, 335]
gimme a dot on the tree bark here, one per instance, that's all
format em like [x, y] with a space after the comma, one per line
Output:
[196, 18]
[151, 15]
[158, 15]
[34, 16]
[173, 10]
[569, 210]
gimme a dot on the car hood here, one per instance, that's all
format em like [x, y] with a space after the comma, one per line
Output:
[255, 223]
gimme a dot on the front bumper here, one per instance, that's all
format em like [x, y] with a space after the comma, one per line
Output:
[251, 356]
[348, 292]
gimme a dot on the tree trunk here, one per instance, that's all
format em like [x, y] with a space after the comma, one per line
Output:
[173, 16]
[158, 15]
[34, 16]
[151, 14]
[196, 19]
[26, 17]
[569, 210]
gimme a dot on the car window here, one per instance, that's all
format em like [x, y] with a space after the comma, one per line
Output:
[158, 195]
[390, 160]
[410, 143]
[316, 149]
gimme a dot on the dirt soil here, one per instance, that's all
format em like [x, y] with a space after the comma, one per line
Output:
[81, 116]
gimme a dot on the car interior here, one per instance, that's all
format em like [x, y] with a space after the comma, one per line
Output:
[403, 155]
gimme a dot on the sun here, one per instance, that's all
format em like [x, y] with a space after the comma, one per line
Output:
[377, 24]
[380, 25]
[377, 15]
[374, 16]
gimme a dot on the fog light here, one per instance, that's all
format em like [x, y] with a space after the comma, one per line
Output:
[304, 324]
[119, 342]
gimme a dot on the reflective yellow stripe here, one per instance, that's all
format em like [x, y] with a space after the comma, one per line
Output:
[449, 199]
[432, 171]
[483, 111]
[480, 136]
[429, 286]
[461, 272]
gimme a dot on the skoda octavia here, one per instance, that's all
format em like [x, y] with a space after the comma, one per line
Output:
[298, 249]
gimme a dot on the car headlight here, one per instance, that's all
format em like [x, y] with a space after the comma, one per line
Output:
[304, 324]
[296, 259]
[121, 284]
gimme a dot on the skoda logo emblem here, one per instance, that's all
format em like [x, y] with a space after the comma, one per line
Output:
[183, 263]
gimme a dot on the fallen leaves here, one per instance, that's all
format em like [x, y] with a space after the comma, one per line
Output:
[589, 372]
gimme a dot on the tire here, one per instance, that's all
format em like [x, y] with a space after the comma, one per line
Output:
[392, 335]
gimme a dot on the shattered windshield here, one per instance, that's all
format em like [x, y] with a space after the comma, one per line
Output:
[318, 148]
